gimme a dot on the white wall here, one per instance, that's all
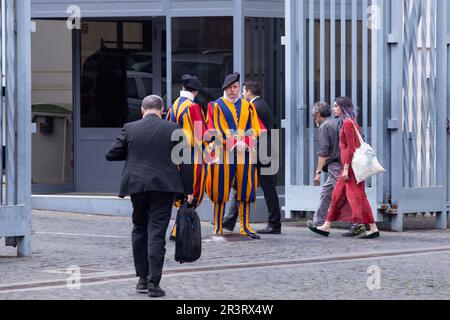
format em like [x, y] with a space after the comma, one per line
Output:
[51, 60]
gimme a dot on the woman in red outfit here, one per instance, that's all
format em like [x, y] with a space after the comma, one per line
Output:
[348, 201]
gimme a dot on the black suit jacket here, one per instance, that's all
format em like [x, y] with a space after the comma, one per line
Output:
[264, 113]
[146, 147]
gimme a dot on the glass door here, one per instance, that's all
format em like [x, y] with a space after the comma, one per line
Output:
[121, 63]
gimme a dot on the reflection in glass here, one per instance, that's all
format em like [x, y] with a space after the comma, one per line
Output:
[118, 71]
[265, 62]
[202, 47]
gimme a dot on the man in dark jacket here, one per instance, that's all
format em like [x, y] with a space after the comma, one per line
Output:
[252, 93]
[152, 179]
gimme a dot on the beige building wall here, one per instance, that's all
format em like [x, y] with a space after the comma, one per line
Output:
[51, 63]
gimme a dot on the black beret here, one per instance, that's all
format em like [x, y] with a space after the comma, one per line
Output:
[230, 79]
[191, 82]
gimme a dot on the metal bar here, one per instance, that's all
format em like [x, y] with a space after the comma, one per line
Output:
[414, 25]
[424, 97]
[2, 33]
[355, 52]
[406, 90]
[343, 48]
[10, 105]
[322, 51]
[169, 74]
[289, 120]
[332, 51]
[432, 122]
[396, 112]
[379, 134]
[238, 38]
[76, 78]
[433, 149]
[301, 93]
[365, 70]
[311, 89]
[442, 94]
[24, 120]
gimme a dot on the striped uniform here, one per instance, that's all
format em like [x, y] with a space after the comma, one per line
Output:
[190, 116]
[235, 169]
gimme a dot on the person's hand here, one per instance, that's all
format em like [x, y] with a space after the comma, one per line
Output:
[317, 180]
[241, 146]
[190, 198]
[345, 174]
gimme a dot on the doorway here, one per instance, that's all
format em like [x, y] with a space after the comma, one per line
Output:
[121, 62]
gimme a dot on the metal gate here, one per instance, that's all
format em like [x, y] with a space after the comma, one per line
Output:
[15, 125]
[418, 49]
[395, 70]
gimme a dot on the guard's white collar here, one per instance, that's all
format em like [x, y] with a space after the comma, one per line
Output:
[187, 94]
[254, 99]
[229, 99]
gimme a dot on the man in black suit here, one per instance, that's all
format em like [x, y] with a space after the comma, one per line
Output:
[152, 179]
[252, 93]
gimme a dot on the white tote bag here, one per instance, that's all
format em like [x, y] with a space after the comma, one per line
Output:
[365, 163]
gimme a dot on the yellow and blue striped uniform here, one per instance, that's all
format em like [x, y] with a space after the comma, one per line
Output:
[241, 174]
[186, 113]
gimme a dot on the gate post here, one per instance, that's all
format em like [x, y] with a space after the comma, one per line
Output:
[23, 22]
[15, 207]
[395, 43]
[442, 54]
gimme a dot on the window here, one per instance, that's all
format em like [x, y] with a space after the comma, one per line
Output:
[132, 90]
[265, 62]
[202, 47]
[119, 69]
[148, 85]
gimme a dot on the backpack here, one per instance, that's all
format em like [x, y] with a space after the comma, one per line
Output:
[188, 241]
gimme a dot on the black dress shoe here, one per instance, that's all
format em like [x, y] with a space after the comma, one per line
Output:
[155, 291]
[371, 235]
[142, 285]
[253, 236]
[270, 230]
[322, 233]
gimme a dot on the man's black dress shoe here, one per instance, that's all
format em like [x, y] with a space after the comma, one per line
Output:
[155, 291]
[270, 230]
[142, 285]
[371, 235]
[322, 233]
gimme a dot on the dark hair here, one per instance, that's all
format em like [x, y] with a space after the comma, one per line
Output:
[153, 102]
[348, 109]
[253, 86]
[322, 108]
[188, 89]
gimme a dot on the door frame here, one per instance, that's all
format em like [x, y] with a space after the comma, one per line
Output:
[106, 134]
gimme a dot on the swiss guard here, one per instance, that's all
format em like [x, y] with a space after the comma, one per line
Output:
[236, 127]
[190, 116]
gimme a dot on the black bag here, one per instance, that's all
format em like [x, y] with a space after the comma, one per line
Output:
[188, 241]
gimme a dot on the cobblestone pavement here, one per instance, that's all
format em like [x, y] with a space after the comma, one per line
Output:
[295, 265]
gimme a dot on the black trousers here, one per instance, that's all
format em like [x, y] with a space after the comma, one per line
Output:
[270, 196]
[151, 216]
